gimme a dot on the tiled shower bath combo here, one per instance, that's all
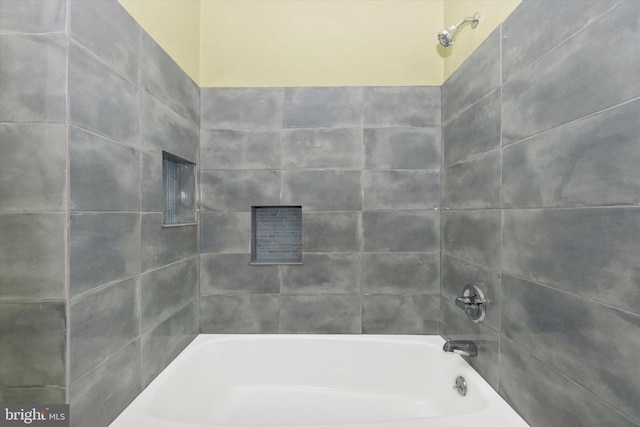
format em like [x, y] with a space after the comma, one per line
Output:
[518, 174]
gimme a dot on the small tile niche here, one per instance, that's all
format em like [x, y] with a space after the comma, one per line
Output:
[276, 235]
[179, 186]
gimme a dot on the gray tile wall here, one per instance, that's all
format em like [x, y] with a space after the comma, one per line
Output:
[133, 284]
[364, 164]
[81, 207]
[33, 202]
[541, 180]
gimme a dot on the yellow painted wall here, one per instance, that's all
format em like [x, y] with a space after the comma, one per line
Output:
[174, 25]
[320, 42]
[316, 42]
[492, 14]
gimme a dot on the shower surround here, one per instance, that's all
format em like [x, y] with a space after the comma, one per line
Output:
[364, 164]
[540, 146]
[540, 194]
[95, 297]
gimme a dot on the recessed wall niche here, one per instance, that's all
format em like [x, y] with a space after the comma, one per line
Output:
[276, 235]
[179, 184]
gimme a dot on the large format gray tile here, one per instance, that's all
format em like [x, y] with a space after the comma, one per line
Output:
[455, 325]
[239, 314]
[323, 274]
[164, 245]
[107, 29]
[550, 399]
[163, 343]
[103, 323]
[473, 236]
[32, 16]
[165, 290]
[587, 74]
[401, 274]
[417, 231]
[331, 232]
[572, 337]
[400, 190]
[456, 274]
[166, 81]
[98, 398]
[593, 161]
[103, 247]
[99, 167]
[320, 314]
[151, 186]
[322, 190]
[228, 274]
[241, 108]
[402, 148]
[535, 27]
[400, 314]
[32, 344]
[478, 76]
[238, 190]
[30, 91]
[417, 106]
[32, 256]
[164, 129]
[225, 232]
[307, 107]
[589, 252]
[38, 395]
[239, 149]
[33, 167]
[322, 148]
[475, 131]
[101, 100]
[474, 183]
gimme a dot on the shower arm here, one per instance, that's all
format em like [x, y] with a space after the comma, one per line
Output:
[473, 19]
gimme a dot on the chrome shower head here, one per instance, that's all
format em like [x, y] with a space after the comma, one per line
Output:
[445, 36]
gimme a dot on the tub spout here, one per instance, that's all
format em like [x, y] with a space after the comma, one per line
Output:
[462, 347]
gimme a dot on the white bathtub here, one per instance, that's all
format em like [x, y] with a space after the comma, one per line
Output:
[317, 380]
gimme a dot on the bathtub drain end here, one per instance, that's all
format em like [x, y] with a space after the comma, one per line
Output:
[461, 386]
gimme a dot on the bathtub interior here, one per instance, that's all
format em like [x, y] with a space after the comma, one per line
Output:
[310, 380]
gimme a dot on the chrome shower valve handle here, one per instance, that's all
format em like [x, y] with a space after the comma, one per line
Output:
[473, 303]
